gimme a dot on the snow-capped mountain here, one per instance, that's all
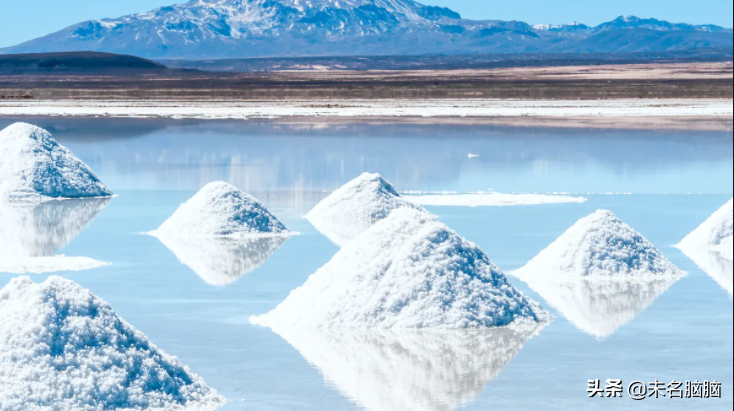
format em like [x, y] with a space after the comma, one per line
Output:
[259, 28]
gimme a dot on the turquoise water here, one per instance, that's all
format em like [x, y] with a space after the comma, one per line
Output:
[676, 180]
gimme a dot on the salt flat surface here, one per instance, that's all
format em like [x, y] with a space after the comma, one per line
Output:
[32, 234]
[63, 348]
[408, 271]
[399, 370]
[34, 166]
[355, 207]
[372, 108]
[490, 199]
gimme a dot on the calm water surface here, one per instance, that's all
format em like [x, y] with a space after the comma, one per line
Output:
[199, 311]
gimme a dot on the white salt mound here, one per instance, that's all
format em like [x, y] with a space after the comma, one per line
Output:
[407, 271]
[221, 210]
[63, 348]
[599, 245]
[33, 166]
[355, 207]
[715, 234]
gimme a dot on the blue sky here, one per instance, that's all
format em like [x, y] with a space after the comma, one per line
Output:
[22, 20]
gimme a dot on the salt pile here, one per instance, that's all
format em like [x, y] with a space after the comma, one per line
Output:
[63, 348]
[222, 261]
[33, 166]
[710, 247]
[355, 207]
[406, 271]
[715, 234]
[221, 210]
[599, 245]
[600, 274]
[32, 233]
[399, 370]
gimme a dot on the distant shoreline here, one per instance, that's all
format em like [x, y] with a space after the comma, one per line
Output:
[679, 114]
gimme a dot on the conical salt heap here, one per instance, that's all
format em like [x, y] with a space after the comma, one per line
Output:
[221, 210]
[33, 166]
[355, 207]
[715, 234]
[407, 271]
[63, 348]
[598, 245]
[600, 274]
[710, 246]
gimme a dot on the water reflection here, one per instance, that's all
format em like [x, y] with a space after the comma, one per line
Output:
[36, 231]
[405, 370]
[222, 261]
[267, 156]
[716, 265]
[599, 306]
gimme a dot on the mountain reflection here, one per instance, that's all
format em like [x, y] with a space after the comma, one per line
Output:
[222, 261]
[599, 305]
[408, 370]
[31, 232]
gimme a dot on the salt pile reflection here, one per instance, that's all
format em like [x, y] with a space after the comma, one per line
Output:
[222, 261]
[409, 370]
[31, 234]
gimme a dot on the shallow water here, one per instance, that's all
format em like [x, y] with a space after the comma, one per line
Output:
[680, 331]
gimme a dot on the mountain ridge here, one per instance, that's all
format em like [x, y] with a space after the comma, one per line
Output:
[271, 28]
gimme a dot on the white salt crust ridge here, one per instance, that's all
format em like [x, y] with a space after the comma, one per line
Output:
[491, 199]
[63, 348]
[355, 207]
[599, 245]
[408, 271]
[43, 265]
[33, 166]
[400, 370]
[715, 234]
[31, 233]
[221, 210]
[222, 261]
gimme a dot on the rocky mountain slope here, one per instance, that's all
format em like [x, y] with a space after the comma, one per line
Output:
[266, 28]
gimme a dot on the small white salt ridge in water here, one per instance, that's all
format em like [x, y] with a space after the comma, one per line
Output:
[42, 265]
[355, 207]
[491, 199]
[599, 245]
[407, 271]
[715, 234]
[63, 348]
[33, 166]
[221, 210]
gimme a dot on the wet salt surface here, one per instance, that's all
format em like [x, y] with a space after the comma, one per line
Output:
[684, 334]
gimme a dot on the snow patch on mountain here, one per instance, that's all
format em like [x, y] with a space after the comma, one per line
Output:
[62, 347]
[408, 271]
[33, 166]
